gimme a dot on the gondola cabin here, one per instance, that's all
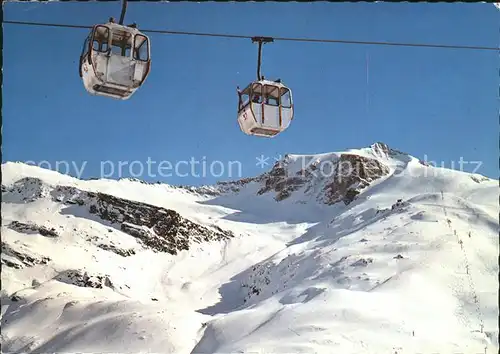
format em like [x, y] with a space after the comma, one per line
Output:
[265, 108]
[115, 60]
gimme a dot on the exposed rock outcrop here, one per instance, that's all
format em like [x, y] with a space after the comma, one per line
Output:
[33, 228]
[25, 190]
[280, 182]
[348, 175]
[19, 259]
[119, 251]
[353, 173]
[162, 230]
[332, 178]
[84, 279]
[235, 186]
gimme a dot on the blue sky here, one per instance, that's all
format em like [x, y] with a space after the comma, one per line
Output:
[439, 103]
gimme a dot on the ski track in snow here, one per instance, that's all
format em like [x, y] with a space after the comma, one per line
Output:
[373, 276]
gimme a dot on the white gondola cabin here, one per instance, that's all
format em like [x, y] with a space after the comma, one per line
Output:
[115, 60]
[265, 108]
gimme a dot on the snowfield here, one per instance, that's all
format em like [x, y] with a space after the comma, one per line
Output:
[395, 257]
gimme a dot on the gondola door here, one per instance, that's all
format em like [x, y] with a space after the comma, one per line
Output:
[120, 66]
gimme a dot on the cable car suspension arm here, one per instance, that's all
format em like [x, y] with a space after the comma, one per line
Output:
[261, 40]
[124, 9]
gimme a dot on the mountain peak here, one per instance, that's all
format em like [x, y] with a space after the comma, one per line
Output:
[327, 178]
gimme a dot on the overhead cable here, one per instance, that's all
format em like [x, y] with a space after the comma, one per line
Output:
[220, 35]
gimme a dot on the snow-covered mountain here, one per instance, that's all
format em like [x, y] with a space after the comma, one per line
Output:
[364, 251]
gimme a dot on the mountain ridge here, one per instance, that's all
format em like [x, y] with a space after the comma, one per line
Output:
[287, 261]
